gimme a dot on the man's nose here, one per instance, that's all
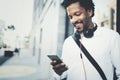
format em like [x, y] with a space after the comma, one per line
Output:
[74, 20]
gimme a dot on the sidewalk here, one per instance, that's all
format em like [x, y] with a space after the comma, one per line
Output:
[21, 67]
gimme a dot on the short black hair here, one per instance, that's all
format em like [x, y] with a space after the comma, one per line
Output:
[87, 4]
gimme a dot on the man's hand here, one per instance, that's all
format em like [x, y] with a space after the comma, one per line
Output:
[59, 68]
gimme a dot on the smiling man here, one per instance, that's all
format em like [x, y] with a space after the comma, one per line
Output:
[101, 43]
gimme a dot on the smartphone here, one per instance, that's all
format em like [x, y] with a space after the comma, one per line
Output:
[56, 58]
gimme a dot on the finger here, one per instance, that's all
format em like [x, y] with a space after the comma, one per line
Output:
[60, 67]
[57, 66]
[60, 70]
[53, 62]
[64, 69]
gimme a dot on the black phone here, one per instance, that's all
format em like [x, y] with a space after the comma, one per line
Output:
[56, 58]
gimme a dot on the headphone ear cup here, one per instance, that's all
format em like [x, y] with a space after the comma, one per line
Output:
[88, 33]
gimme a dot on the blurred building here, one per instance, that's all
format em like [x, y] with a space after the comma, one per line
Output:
[9, 38]
[2, 26]
[113, 12]
[48, 32]
[107, 18]
[118, 16]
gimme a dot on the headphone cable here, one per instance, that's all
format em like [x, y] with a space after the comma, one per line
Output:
[83, 64]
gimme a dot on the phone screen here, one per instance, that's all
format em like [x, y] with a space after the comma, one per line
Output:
[55, 57]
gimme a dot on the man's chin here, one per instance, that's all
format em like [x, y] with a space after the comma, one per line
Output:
[79, 30]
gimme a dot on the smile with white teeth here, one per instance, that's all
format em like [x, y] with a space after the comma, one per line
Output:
[78, 25]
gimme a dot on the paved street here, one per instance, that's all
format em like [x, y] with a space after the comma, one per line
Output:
[23, 66]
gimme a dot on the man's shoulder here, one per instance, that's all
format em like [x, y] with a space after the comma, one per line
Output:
[107, 31]
[68, 38]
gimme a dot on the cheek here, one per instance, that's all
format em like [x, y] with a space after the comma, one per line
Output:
[83, 18]
[86, 19]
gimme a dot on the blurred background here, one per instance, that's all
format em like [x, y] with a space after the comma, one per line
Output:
[37, 28]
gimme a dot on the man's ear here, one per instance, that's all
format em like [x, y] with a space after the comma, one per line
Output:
[90, 12]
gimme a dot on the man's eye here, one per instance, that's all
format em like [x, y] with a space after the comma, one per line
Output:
[78, 14]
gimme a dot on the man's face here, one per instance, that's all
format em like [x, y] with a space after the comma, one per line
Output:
[79, 17]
